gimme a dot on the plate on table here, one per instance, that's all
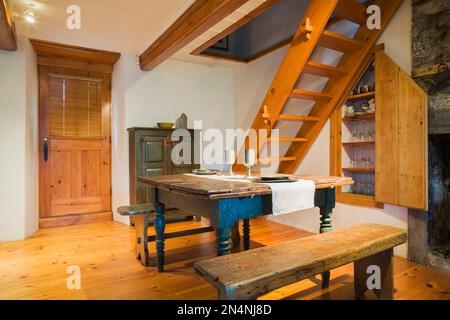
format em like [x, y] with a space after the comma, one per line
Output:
[275, 177]
[205, 172]
[236, 177]
[260, 180]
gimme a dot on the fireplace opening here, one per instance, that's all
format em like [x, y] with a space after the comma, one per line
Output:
[439, 196]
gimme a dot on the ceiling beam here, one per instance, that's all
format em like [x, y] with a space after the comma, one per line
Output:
[8, 39]
[252, 15]
[201, 16]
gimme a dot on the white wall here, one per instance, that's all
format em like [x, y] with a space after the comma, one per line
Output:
[141, 99]
[252, 82]
[31, 142]
[18, 168]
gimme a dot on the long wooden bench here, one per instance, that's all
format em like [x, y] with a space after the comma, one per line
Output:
[250, 274]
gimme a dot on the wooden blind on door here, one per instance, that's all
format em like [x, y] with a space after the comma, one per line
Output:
[74, 107]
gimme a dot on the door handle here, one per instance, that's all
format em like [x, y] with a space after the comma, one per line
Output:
[45, 149]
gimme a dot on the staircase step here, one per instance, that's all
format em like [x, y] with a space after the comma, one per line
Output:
[323, 70]
[338, 42]
[281, 159]
[310, 95]
[287, 139]
[351, 10]
[291, 117]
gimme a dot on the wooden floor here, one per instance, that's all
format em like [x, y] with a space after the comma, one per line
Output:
[36, 268]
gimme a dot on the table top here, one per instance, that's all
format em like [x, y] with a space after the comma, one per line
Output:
[213, 189]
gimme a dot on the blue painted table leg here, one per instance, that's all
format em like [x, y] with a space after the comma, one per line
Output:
[160, 225]
[246, 234]
[228, 213]
[223, 241]
[326, 200]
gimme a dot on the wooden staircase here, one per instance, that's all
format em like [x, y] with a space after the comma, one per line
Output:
[312, 33]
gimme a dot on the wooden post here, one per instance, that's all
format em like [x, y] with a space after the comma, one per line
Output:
[325, 199]
[384, 260]
[141, 246]
[160, 226]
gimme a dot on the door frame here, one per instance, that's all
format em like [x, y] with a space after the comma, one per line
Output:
[83, 62]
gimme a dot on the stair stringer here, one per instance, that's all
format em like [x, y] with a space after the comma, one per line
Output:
[355, 63]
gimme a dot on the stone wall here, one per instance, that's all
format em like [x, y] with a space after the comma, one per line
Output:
[430, 46]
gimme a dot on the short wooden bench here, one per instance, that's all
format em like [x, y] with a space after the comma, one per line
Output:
[143, 215]
[250, 274]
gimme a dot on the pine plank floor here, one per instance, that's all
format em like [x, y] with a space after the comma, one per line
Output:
[36, 268]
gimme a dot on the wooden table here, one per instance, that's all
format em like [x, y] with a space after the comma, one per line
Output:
[226, 202]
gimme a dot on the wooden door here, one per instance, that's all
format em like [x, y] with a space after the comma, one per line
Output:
[75, 156]
[401, 137]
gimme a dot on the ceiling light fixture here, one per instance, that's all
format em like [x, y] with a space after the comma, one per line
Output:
[29, 16]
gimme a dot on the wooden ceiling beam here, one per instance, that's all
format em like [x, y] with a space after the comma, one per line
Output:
[8, 39]
[201, 16]
[235, 26]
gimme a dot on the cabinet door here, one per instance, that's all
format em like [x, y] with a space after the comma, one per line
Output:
[151, 161]
[413, 144]
[401, 137]
[386, 129]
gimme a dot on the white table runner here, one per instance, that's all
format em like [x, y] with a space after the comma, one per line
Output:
[287, 197]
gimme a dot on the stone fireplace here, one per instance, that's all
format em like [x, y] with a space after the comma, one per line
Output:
[429, 232]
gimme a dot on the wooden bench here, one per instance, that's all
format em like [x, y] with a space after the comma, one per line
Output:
[250, 274]
[143, 215]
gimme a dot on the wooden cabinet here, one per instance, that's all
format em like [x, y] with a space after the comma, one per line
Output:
[402, 142]
[150, 155]
[385, 151]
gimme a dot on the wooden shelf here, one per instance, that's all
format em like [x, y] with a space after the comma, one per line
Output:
[362, 96]
[360, 117]
[358, 200]
[359, 170]
[358, 143]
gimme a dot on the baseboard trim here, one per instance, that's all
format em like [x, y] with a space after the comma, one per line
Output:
[45, 223]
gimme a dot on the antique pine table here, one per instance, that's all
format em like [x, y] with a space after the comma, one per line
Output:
[226, 202]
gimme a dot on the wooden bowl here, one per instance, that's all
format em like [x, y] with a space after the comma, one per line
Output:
[165, 125]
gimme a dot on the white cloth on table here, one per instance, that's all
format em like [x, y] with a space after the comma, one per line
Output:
[287, 197]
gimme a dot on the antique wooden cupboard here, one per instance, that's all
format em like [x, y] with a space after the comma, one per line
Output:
[150, 152]
[388, 160]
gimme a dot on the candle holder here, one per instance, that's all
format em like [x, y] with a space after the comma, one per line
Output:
[249, 161]
[230, 157]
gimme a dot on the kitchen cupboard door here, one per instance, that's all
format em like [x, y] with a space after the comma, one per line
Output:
[413, 144]
[386, 129]
[401, 137]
